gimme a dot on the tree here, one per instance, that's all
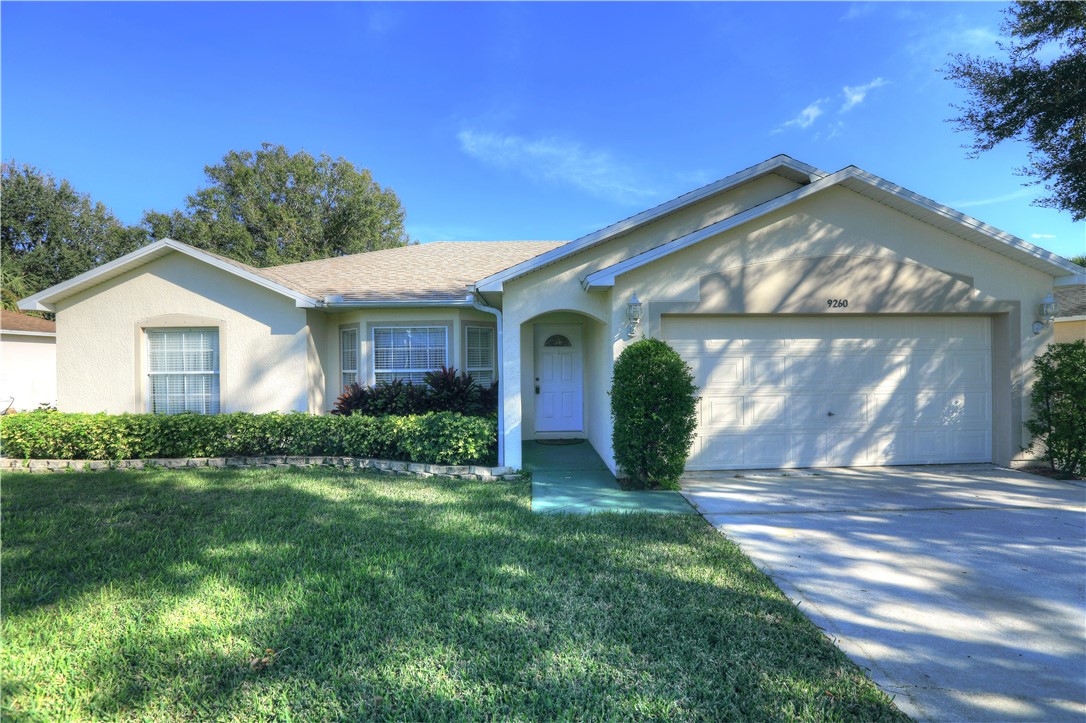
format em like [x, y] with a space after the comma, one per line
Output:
[271, 207]
[51, 232]
[1080, 260]
[1024, 98]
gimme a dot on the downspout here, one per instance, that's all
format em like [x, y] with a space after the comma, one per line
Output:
[501, 374]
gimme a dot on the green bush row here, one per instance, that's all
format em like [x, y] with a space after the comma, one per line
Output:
[435, 438]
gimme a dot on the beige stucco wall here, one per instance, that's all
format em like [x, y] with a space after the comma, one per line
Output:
[263, 338]
[835, 244]
[1071, 330]
[453, 318]
[557, 288]
[317, 360]
[28, 370]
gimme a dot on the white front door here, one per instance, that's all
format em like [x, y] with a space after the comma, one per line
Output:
[559, 378]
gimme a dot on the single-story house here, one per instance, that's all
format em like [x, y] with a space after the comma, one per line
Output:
[28, 361]
[1070, 322]
[830, 319]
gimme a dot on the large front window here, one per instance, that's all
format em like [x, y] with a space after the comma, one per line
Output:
[183, 370]
[408, 352]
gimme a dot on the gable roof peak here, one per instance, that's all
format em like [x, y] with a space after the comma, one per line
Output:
[781, 164]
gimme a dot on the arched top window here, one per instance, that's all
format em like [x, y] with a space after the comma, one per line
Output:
[557, 340]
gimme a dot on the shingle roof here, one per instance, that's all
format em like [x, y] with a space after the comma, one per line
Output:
[1070, 300]
[14, 321]
[433, 272]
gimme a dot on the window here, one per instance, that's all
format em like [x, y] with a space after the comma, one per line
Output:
[557, 340]
[183, 371]
[408, 352]
[480, 355]
[348, 356]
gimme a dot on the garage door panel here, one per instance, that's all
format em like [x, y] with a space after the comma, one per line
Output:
[968, 368]
[806, 409]
[727, 371]
[768, 371]
[901, 390]
[760, 450]
[971, 446]
[849, 449]
[724, 450]
[767, 410]
[849, 409]
[929, 446]
[887, 370]
[721, 412]
[808, 449]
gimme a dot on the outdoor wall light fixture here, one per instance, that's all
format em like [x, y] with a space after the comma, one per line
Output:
[1048, 310]
[633, 316]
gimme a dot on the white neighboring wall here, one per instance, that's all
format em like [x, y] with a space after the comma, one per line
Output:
[28, 369]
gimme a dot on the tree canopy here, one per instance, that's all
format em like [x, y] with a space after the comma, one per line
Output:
[273, 207]
[1027, 97]
[51, 232]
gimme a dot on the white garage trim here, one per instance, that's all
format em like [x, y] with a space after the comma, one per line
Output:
[808, 391]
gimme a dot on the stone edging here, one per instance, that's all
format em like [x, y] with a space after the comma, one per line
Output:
[486, 474]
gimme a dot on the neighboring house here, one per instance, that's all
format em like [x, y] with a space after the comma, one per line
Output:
[830, 319]
[28, 361]
[1070, 323]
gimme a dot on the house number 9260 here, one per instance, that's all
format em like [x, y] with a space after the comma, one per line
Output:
[837, 303]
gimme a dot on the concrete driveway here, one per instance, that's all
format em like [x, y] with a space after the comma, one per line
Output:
[961, 589]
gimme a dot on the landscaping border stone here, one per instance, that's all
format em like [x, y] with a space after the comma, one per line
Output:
[475, 472]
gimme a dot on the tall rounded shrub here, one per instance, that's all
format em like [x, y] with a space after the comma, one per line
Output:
[654, 412]
[1059, 406]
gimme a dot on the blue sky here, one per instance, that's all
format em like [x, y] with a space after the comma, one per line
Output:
[502, 120]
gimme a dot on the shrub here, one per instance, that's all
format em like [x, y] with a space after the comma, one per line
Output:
[451, 392]
[444, 391]
[437, 438]
[653, 405]
[1059, 406]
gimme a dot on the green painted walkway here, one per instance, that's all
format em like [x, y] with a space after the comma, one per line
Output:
[572, 478]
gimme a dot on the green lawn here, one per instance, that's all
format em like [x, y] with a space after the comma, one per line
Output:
[303, 595]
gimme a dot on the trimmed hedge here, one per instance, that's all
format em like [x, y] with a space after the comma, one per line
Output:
[436, 438]
[654, 407]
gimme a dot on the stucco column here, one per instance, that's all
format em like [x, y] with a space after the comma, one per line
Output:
[510, 400]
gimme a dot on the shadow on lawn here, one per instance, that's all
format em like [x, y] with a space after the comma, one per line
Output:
[395, 598]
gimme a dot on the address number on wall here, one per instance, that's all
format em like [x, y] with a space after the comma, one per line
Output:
[837, 303]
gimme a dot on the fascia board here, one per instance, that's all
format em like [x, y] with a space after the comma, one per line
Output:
[606, 277]
[16, 332]
[395, 303]
[1075, 280]
[45, 300]
[495, 282]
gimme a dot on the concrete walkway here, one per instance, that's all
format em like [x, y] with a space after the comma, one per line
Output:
[572, 478]
[962, 589]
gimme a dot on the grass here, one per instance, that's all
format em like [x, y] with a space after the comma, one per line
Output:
[276, 595]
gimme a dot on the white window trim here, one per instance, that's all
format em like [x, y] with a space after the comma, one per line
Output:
[403, 371]
[215, 373]
[493, 349]
[357, 370]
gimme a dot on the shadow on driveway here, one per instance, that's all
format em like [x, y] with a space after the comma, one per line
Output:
[961, 588]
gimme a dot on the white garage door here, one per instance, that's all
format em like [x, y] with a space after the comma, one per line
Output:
[840, 391]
